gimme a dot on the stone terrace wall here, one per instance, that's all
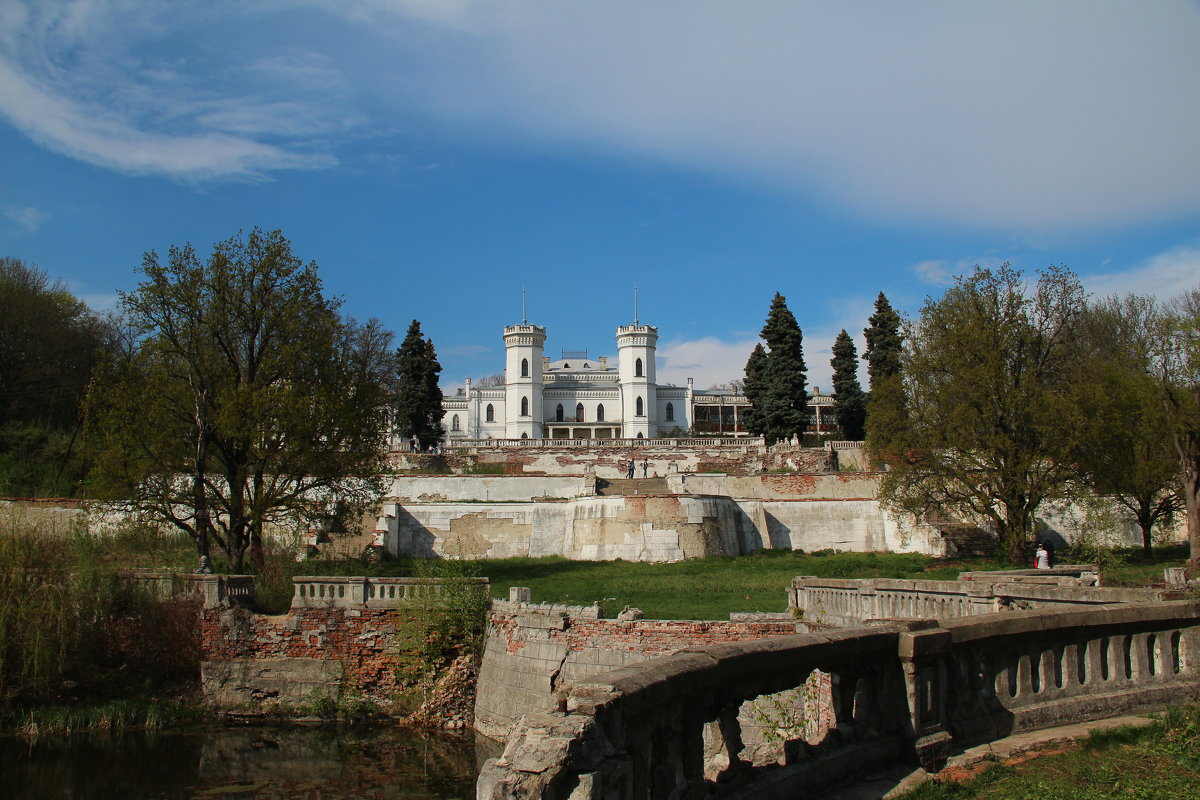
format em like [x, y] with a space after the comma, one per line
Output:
[342, 636]
[534, 653]
[608, 460]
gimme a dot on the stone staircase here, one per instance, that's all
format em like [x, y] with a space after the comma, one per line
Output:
[627, 487]
[964, 540]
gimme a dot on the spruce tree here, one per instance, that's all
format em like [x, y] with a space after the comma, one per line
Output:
[849, 400]
[418, 396]
[887, 417]
[883, 342]
[752, 388]
[783, 410]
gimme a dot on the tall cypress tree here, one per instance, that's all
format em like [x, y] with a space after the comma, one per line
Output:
[418, 396]
[849, 400]
[782, 410]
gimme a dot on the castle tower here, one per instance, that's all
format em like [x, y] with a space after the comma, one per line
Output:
[635, 366]
[523, 346]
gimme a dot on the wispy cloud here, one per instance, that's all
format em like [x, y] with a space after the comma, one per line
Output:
[942, 272]
[27, 217]
[1164, 275]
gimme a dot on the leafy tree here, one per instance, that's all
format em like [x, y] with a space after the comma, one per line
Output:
[987, 373]
[780, 394]
[50, 342]
[418, 396]
[1177, 367]
[248, 402]
[849, 401]
[1125, 448]
[886, 415]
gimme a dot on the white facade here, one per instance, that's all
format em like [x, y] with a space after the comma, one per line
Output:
[574, 397]
[578, 397]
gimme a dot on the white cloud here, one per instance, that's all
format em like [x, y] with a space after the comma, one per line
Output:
[942, 273]
[1026, 116]
[1164, 275]
[27, 217]
[708, 361]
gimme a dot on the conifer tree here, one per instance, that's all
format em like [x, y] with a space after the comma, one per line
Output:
[849, 400]
[418, 396]
[781, 406]
[886, 415]
[752, 388]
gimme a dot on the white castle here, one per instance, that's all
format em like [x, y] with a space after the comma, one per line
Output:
[578, 397]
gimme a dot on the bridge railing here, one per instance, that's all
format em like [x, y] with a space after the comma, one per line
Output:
[670, 729]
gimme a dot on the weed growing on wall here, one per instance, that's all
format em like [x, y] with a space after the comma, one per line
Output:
[445, 622]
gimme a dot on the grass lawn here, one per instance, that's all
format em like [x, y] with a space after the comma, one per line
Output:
[1156, 762]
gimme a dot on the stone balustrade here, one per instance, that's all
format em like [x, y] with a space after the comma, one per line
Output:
[214, 590]
[747, 444]
[901, 692]
[846, 603]
[376, 593]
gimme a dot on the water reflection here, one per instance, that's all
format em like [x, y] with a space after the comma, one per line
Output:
[242, 763]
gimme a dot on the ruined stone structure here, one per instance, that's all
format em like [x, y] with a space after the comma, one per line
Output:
[900, 690]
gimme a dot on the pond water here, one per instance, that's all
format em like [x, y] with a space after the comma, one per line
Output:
[255, 763]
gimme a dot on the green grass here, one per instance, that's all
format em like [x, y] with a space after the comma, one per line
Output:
[1155, 762]
[1131, 567]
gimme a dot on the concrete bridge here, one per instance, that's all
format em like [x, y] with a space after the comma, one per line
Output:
[899, 690]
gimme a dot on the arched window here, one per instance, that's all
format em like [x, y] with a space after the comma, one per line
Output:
[600, 413]
[558, 413]
[524, 367]
[641, 408]
[639, 436]
[670, 412]
[524, 435]
[491, 413]
[579, 412]
[637, 368]
[454, 423]
[524, 406]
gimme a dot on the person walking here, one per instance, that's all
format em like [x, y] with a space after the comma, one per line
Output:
[629, 469]
[645, 467]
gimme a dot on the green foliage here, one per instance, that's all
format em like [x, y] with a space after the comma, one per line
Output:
[418, 396]
[248, 400]
[1125, 449]
[68, 621]
[987, 377]
[775, 378]
[1176, 364]
[850, 403]
[50, 343]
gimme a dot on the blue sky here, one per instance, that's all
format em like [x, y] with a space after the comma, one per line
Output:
[434, 156]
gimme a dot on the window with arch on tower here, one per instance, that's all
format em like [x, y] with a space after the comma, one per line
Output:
[637, 368]
[641, 408]
[524, 367]
[524, 406]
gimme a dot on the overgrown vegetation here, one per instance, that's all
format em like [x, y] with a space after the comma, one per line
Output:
[1156, 762]
[75, 630]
